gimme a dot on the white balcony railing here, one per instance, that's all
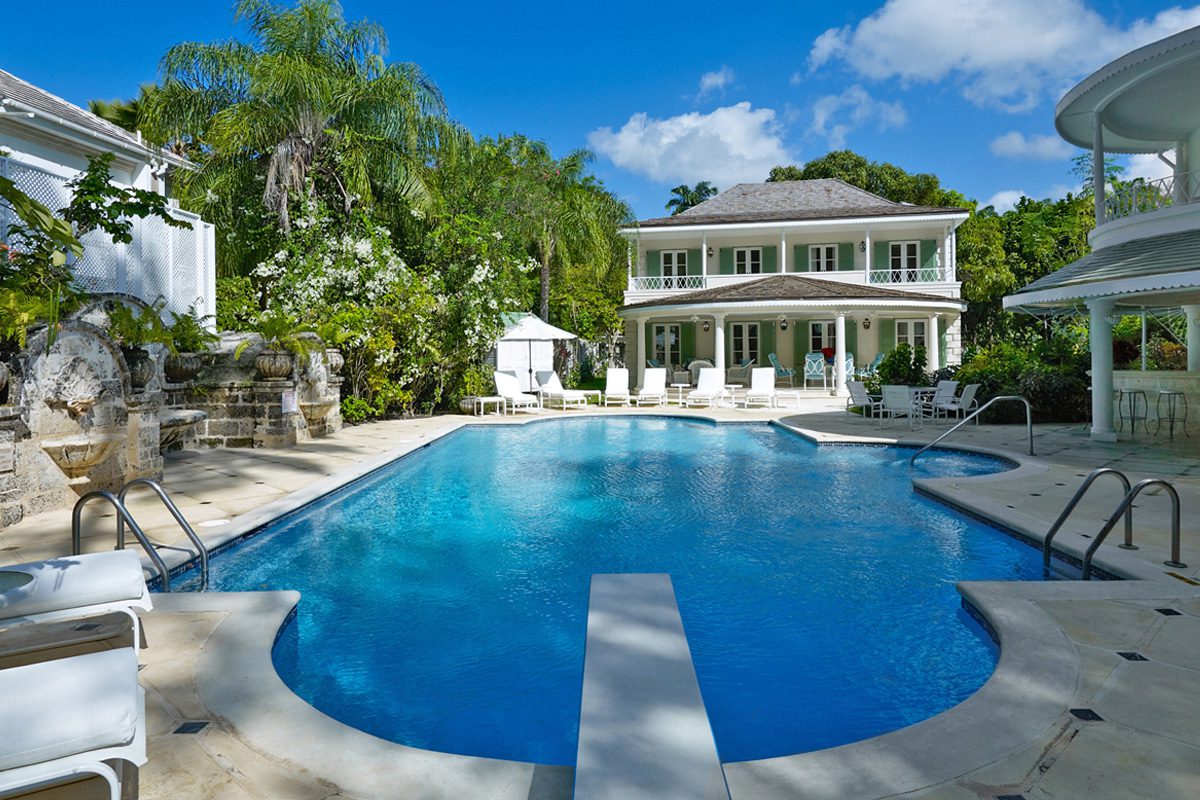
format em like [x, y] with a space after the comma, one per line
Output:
[1142, 197]
[918, 275]
[660, 285]
[667, 283]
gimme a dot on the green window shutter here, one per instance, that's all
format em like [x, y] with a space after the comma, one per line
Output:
[728, 347]
[766, 341]
[687, 341]
[653, 263]
[726, 261]
[769, 261]
[887, 335]
[881, 256]
[800, 258]
[845, 255]
[852, 339]
[799, 342]
[927, 253]
[693, 262]
[942, 324]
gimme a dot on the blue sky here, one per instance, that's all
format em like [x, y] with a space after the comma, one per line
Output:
[673, 93]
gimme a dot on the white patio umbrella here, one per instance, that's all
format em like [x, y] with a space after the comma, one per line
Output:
[529, 328]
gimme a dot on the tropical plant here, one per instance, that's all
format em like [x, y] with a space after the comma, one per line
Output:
[134, 327]
[685, 197]
[904, 366]
[188, 333]
[282, 333]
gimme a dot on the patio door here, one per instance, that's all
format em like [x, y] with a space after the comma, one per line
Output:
[667, 344]
[822, 334]
[743, 342]
[674, 267]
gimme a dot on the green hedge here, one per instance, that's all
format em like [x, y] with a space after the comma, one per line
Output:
[1051, 375]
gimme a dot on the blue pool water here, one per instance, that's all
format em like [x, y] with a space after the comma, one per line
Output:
[444, 597]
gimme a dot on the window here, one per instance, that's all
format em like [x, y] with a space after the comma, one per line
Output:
[821, 334]
[904, 262]
[666, 345]
[674, 265]
[822, 257]
[747, 260]
[910, 332]
[744, 337]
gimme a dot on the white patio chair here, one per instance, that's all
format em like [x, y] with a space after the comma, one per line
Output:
[898, 402]
[740, 373]
[860, 398]
[694, 367]
[510, 389]
[616, 386]
[762, 387]
[710, 388]
[550, 388]
[814, 369]
[70, 717]
[963, 405]
[942, 394]
[654, 389]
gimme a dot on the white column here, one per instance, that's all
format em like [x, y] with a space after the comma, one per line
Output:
[867, 253]
[839, 354]
[782, 252]
[1098, 166]
[640, 372]
[1193, 337]
[945, 265]
[719, 343]
[1143, 340]
[1100, 334]
[933, 344]
[952, 272]
[704, 261]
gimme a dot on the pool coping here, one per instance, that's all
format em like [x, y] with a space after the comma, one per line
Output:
[237, 680]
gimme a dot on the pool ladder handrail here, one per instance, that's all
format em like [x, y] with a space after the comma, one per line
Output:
[1078, 496]
[1124, 507]
[124, 517]
[976, 413]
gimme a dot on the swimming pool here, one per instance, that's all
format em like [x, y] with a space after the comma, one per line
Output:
[444, 597]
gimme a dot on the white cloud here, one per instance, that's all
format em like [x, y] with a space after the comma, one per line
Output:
[729, 145]
[835, 115]
[714, 81]
[1005, 200]
[1015, 144]
[1149, 166]
[1010, 54]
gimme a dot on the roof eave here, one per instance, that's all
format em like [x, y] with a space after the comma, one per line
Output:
[848, 303]
[959, 215]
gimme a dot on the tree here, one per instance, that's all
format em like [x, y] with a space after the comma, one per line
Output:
[125, 114]
[1081, 168]
[307, 106]
[685, 197]
[881, 178]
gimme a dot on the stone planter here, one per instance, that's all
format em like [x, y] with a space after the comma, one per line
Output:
[274, 365]
[182, 367]
[5, 373]
[335, 361]
[141, 367]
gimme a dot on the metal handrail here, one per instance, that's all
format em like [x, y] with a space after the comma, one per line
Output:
[1066, 512]
[1122, 508]
[976, 413]
[154, 485]
[123, 516]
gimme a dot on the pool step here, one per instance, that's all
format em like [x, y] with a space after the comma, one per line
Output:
[643, 728]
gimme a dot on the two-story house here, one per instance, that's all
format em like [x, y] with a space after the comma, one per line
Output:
[791, 268]
[1145, 255]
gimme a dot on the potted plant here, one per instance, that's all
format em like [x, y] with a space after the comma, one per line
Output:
[334, 336]
[133, 329]
[282, 342]
[191, 339]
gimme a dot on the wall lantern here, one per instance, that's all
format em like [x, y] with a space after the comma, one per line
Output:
[862, 247]
[710, 252]
[707, 325]
[866, 324]
[783, 323]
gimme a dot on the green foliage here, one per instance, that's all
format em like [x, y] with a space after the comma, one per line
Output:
[684, 197]
[1051, 375]
[904, 366]
[356, 410]
[283, 332]
[188, 333]
[98, 204]
[237, 303]
[134, 327]
[879, 177]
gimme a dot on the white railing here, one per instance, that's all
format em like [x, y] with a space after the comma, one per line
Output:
[917, 275]
[657, 283]
[175, 264]
[1142, 196]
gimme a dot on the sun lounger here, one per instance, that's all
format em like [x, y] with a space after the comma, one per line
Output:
[550, 388]
[762, 387]
[709, 389]
[654, 390]
[508, 388]
[616, 386]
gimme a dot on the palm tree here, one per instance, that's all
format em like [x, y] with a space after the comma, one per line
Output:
[685, 197]
[307, 100]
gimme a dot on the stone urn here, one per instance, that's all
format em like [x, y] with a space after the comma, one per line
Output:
[182, 367]
[6, 373]
[335, 360]
[274, 365]
[141, 366]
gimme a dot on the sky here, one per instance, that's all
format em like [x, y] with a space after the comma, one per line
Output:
[668, 93]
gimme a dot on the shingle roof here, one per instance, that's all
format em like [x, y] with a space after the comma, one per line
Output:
[821, 198]
[1159, 255]
[13, 88]
[788, 287]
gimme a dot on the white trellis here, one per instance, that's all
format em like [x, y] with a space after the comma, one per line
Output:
[175, 264]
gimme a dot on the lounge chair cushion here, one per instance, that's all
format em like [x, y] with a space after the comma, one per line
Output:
[74, 582]
[67, 706]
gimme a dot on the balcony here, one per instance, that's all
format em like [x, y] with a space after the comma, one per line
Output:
[1142, 209]
[935, 280]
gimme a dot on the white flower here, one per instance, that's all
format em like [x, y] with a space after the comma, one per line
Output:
[497, 235]
[362, 249]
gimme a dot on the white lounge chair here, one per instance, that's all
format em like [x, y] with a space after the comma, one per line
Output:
[67, 717]
[654, 388]
[72, 587]
[550, 388]
[943, 393]
[509, 388]
[616, 386]
[762, 387]
[709, 389]
[860, 398]
[898, 402]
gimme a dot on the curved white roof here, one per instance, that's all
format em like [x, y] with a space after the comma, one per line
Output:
[1149, 98]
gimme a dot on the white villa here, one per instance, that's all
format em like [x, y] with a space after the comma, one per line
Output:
[45, 141]
[790, 268]
[1146, 244]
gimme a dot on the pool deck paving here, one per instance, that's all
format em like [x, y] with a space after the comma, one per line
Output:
[209, 654]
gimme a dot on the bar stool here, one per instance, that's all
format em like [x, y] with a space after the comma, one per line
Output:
[1132, 415]
[1173, 399]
